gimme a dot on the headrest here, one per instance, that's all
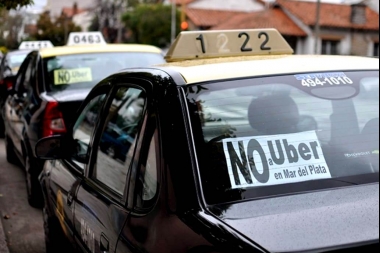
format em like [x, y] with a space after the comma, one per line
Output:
[274, 114]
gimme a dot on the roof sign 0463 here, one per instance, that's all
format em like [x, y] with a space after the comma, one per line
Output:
[34, 45]
[233, 43]
[86, 38]
[274, 160]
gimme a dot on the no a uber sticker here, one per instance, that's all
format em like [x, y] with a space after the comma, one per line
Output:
[274, 160]
[70, 76]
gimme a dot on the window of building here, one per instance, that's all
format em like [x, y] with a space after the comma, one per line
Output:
[376, 49]
[330, 47]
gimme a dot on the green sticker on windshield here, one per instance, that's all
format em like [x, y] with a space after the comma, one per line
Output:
[70, 76]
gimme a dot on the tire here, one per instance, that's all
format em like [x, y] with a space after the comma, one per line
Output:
[10, 153]
[33, 187]
[55, 240]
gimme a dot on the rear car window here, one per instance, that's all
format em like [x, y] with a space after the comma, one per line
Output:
[286, 134]
[86, 70]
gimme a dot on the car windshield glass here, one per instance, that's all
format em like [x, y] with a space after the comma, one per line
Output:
[279, 135]
[15, 61]
[86, 70]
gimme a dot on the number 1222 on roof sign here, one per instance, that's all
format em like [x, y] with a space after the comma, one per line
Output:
[234, 43]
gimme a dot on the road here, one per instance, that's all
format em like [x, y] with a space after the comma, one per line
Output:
[24, 226]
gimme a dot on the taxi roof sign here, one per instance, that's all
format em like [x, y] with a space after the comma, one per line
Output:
[35, 44]
[227, 43]
[86, 38]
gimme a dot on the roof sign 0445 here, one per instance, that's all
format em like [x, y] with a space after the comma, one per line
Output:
[34, 45]
[86, 38]
[232, 43]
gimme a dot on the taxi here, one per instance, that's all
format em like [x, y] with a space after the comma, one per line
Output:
[234, 145]
[51, 85]
[9, 66]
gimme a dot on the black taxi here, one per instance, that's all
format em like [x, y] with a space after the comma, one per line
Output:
[50, 87]
[235, 145]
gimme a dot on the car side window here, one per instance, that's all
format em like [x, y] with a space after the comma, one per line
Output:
[118, 139]
[84, 129]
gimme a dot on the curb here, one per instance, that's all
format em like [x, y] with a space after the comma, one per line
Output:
[3, 242]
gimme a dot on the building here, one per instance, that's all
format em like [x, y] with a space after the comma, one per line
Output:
[55, 7]
[345, 29]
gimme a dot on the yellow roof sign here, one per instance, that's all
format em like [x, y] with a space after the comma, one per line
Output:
[231, 43]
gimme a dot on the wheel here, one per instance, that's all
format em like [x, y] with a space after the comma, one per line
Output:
[55, 240]
[11, 155]
[33, 187]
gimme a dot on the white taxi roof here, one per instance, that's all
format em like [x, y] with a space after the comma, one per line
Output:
[87, 49]
[241, 67]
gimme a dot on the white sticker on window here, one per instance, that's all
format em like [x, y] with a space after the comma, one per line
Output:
[275, 160]
[70, 76]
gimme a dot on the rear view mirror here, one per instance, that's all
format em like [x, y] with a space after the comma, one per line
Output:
[52, 148]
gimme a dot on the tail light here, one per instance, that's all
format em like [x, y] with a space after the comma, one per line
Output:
[53, 123]
[9, 84]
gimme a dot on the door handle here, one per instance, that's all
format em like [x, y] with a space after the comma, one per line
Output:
[104, 244]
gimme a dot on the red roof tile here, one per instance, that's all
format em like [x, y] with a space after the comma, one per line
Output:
[179, 2]
[332, 15]
[272, 18]
[70, 12]
[209, 18]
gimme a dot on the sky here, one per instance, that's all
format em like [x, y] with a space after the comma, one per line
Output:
[38, 5]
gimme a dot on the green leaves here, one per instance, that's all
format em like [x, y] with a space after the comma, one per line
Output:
[150, 24]
[14, 4]
[57, 30]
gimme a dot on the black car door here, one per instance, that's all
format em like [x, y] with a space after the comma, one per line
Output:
[65, 175]
[100, 208]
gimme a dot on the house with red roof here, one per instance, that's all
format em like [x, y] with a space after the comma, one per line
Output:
[345, 29]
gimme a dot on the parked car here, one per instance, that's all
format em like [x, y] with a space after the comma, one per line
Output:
[9, 66]
[51, 85]
[240, 147]
[115, 142]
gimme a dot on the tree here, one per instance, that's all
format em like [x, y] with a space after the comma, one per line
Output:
[55, 30]
[109, 17]
[10, 27]
[151, 24]
[14, 4]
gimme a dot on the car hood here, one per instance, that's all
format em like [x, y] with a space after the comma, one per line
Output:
[311, 221]
[69, 95]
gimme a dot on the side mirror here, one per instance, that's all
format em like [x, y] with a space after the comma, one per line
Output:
[52, 148]
[61, 147]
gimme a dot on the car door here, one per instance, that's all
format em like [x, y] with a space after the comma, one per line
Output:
[15, 105]
[65, 175]
[100, 208]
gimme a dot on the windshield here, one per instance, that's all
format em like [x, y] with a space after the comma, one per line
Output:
[286, 134]
[86, 70]
[15, 61]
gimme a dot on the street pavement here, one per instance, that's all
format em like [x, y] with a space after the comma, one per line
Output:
[21, 226]
[3, 243]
